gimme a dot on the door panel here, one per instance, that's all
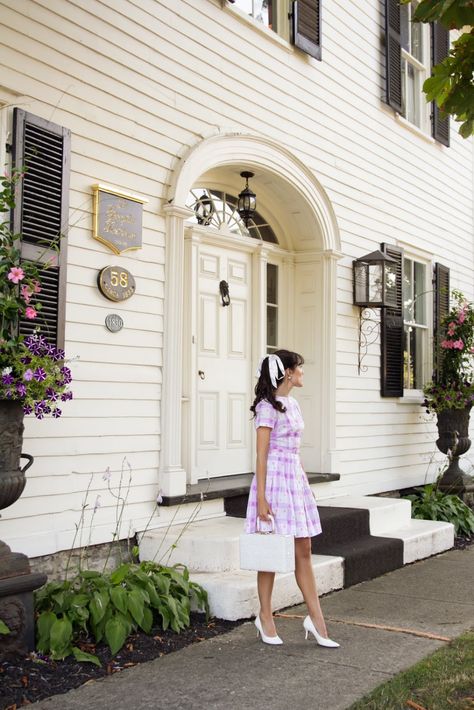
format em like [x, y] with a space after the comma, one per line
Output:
[224, 387]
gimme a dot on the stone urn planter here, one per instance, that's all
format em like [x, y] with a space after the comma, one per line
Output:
[16, 580]
[453, 440]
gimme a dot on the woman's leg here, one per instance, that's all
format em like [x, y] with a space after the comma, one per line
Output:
[306, 582]
[265, 587]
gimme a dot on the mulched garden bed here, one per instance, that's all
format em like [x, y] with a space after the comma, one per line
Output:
[35, 677]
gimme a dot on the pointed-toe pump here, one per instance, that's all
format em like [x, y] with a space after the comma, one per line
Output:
[272, 640]
[322, 641]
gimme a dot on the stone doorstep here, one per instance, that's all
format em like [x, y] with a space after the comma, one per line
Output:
[423, 538]
[386, 514]
[233, 595]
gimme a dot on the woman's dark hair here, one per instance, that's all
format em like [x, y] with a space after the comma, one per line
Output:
[264, 388]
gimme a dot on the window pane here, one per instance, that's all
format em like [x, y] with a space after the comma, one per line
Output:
[420, 293]
[412, 98]
[417, 40]
[272, 284]
[407, 290]
[405, 27]
[413, 358]
[272, 326]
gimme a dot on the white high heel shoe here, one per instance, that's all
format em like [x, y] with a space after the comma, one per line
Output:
[272, 640]
[310, 628]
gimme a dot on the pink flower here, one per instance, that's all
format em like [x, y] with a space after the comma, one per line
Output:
[447, 344]
[16, 274]
[30, 313]
[458, 344]
[26, 293]
[461, 316]
[36, 287]
[451, 328]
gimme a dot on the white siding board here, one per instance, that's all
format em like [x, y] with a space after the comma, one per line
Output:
[122, 76]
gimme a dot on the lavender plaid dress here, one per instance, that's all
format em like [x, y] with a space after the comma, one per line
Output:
[287, 489]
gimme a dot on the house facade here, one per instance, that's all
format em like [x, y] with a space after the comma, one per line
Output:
[164, 104]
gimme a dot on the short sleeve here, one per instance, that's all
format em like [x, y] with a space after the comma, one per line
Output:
[265, 414]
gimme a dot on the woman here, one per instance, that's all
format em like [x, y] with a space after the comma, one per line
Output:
[280, 488]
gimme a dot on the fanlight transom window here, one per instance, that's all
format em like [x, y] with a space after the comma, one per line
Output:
[217, 209]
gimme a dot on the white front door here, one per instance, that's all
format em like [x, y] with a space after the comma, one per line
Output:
[224, 382]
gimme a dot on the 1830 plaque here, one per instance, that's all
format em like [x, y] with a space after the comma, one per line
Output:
[116, 283]
[117, 219]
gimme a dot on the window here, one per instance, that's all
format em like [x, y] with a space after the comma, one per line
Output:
[297, 21]
[411, 48]
[217, 209]
[272, 308]
[414, 66]
[415, 325]
[260, 10]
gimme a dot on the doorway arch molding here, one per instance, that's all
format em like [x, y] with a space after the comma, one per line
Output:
[252, 151]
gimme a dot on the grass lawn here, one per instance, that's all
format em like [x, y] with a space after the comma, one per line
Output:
[442, 681]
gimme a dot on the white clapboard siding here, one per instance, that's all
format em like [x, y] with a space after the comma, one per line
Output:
[139, 82]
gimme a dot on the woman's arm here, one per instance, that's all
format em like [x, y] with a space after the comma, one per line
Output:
[263, 443]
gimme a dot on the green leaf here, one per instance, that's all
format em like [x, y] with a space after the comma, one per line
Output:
[4, 628]
[98, 605]
[115, 633]
[44, 623]
[60, 637]
[119, 598]
[119, 574]
[85, 657]
[147, 621]
[136, 605]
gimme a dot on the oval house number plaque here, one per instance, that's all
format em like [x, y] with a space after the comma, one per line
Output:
[116, 283]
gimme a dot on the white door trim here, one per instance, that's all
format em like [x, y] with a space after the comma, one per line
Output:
[232, 148]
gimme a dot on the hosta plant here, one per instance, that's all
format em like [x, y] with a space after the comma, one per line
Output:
[110, 606]
[430, 503]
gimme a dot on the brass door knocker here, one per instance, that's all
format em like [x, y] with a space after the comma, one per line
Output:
[224, 290]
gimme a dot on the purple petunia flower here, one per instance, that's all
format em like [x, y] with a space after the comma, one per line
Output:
[27, 409]
[7, 379]
[39, 374]
[25, 360]
[56, 413]
[58, 354]
[51, 394]
[66, 373]
[21, 389]
[28, 375]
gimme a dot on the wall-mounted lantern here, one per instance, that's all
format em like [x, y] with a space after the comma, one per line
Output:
[247, 203]
[375, 279]
[204, 209]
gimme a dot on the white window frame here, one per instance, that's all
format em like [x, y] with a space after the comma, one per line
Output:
[427, 328]
[422, 71]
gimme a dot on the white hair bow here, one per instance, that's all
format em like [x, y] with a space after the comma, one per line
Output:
[274, 364]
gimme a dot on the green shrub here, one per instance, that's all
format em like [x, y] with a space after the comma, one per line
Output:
[109, 606]
[429, 503]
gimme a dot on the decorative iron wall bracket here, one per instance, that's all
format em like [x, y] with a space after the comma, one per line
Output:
[369, 331]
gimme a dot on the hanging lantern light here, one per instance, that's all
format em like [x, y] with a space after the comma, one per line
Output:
[375, 281]
[204, 209]
[247, 203]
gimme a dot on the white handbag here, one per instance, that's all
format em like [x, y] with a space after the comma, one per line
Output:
[267, 551]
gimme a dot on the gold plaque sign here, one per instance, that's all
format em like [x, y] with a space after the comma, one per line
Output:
[116, 283]
[117, 219]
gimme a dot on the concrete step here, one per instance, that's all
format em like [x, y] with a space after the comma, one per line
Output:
[385, 514]
[210, 550]
[233, 594]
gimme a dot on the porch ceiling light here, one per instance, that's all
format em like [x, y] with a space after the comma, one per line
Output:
[375, 280]
[247, 203]
[204, 209]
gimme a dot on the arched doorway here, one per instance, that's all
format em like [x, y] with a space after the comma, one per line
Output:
[211, 351]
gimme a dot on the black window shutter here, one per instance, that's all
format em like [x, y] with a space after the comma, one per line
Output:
[41, 213]
[391, 343]
[439, 51]
[393, 55]
[441, 309]
[306, 26]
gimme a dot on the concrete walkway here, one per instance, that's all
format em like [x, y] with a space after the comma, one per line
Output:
[236, 671]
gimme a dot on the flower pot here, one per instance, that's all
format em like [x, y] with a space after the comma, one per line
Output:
[453, 430]
[12, 477]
